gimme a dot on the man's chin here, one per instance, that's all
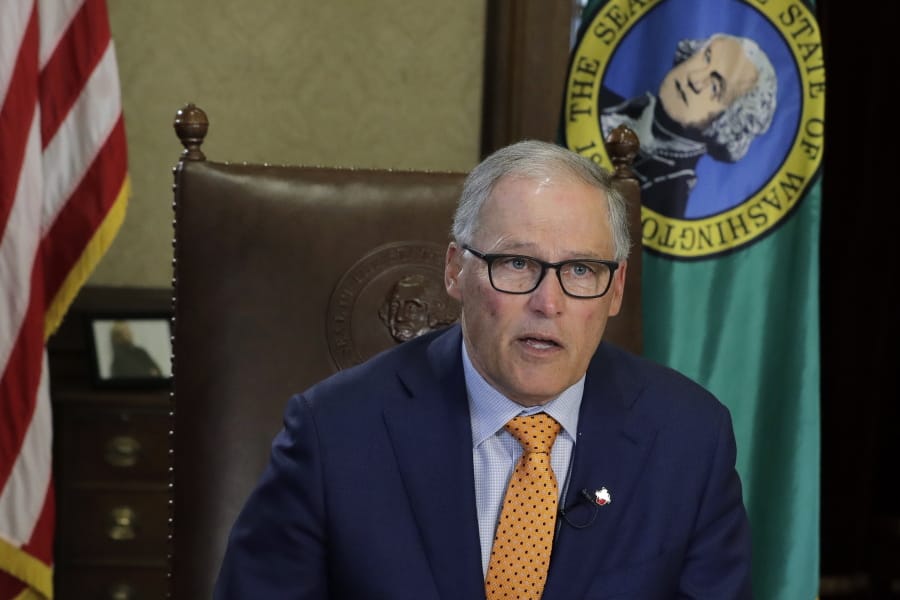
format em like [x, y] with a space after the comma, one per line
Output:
[533, 391]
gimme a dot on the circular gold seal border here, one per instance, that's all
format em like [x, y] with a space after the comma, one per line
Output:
[758, 214]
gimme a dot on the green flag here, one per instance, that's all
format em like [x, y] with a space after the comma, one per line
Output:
[727, 98]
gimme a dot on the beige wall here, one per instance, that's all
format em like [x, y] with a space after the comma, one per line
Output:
[366, 83]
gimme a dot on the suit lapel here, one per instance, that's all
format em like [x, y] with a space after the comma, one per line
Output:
[611, 449]
[432, 437]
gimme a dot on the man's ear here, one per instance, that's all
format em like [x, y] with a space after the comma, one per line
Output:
[617, 289]
[452, 270]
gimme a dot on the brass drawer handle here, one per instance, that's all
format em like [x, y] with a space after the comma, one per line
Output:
[122, 523]
[123, 451]
[121, 591]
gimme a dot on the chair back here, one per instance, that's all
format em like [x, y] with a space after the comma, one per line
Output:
[283, 276]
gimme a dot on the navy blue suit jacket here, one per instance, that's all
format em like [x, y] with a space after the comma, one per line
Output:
[370, 489]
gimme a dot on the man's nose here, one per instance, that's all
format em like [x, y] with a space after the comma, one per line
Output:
[548, 298]
[697, 80]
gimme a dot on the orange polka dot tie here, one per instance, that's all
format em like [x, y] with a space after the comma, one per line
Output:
[520, 555]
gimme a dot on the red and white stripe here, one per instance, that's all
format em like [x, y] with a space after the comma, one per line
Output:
[63, 193]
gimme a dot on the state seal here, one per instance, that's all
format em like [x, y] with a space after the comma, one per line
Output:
[729, 110]
[393, 294]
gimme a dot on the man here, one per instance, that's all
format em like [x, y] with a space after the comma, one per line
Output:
[416, 305]
[719, 95]
[389, 479]
[129, 359]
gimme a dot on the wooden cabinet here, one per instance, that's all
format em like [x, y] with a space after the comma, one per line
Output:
[111, 461]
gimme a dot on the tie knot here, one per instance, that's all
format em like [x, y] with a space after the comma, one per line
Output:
[536, 433]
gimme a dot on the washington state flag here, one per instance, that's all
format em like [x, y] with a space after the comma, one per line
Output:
[727, 98]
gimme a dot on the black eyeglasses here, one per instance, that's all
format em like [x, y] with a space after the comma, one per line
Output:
[517, 274]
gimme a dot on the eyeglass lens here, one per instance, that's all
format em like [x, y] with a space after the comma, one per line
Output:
[519, 274]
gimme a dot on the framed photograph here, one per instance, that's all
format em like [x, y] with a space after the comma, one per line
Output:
[131, 350]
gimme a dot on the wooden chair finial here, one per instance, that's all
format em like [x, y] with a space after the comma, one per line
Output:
[191, 126]
[623, 146]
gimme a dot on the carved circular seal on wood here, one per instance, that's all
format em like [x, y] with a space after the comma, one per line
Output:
[393, 294]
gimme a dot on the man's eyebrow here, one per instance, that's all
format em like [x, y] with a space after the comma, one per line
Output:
[531, 249]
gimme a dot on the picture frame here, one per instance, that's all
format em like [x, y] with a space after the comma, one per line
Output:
[130, 350]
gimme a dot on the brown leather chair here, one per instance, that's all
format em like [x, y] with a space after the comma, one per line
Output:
[284, 275]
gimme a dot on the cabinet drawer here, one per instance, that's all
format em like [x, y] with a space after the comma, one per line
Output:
[110, 583]
[113, 444]
[121, 525]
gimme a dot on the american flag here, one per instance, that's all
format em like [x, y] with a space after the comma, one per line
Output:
[63, 192]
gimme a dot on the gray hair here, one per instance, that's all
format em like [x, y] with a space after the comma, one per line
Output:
[532, 159]
[750, 115]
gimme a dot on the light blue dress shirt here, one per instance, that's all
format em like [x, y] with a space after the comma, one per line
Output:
[495, 451]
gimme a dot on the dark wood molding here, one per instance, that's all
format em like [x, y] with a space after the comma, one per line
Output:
[526, 59]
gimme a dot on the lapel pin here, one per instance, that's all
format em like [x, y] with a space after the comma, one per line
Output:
[602, 497]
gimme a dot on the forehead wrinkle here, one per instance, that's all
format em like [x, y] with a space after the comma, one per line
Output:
[503, 230]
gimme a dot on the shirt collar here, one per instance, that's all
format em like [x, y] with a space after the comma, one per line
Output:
[490, 410]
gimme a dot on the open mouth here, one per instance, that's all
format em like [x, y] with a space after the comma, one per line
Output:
[540, 343]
